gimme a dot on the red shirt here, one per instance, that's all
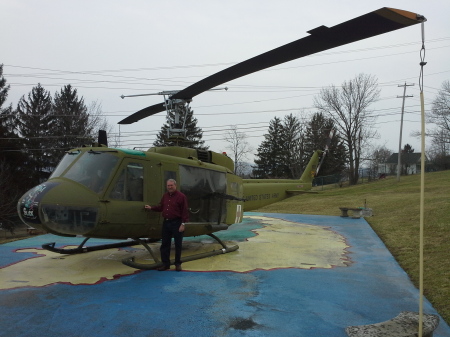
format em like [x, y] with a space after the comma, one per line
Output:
[173, 206]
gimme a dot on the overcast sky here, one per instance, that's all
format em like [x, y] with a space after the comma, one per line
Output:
[108, 48]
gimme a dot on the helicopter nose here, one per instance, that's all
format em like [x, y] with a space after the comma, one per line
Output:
[60, 207]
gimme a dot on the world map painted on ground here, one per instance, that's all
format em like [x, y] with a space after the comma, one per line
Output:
[264, 244]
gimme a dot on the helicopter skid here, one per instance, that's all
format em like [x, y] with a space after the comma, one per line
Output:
[130, 262]
[83, 249]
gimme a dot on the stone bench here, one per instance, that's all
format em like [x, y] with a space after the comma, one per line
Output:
[406, 324]
[356, 212]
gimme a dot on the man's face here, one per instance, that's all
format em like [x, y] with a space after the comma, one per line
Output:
[171, 187]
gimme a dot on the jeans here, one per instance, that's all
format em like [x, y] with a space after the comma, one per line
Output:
[170, 229]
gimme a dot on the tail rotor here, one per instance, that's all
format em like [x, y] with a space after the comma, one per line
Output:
[325, 152]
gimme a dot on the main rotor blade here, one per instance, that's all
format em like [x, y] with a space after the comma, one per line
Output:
[148, 111]
[322, 38]
[378, 22]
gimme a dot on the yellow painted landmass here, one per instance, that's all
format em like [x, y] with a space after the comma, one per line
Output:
[281, 244]
[50, 268]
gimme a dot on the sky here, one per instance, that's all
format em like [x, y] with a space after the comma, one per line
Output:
[106, 49]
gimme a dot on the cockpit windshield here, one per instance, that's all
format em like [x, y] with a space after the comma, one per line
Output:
[65, 163]
[92, 169]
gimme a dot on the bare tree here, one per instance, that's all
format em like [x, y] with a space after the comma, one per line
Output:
[348, 106]
[239, 147]
[438, 151]
[378, 159]
[97, 121]
[440, 116]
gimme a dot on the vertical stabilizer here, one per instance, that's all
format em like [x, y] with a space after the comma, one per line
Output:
[310, 170]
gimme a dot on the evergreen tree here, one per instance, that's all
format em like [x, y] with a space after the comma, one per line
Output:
[13, 182]
[406, 158]
[71, 126]
[287, 148]
[194, 134]
[316, 138]
[3, 91]
[34, 121]
[10, 143]
[6, 118]
[271, 157]
[293, 149]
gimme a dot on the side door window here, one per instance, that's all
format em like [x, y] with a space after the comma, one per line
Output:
[205, 190]
[130, 184]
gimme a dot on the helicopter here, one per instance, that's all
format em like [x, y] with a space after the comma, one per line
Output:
[100, 192]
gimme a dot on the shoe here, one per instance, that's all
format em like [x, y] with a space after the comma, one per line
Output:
[162, 268]
[178, 267]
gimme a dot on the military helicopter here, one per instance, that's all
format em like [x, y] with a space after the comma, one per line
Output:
[100, 192]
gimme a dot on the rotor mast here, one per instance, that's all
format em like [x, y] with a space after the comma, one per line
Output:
[178, 107]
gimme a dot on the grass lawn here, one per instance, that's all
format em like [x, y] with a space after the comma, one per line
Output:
[396, 220]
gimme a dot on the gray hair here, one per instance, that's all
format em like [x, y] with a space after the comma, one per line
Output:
[172, 181]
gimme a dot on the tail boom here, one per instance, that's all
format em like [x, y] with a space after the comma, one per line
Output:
[262, 192]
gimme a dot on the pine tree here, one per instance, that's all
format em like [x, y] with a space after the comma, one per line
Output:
[293, 149]
[71, 124]
[6, 117]
[10, 143]
[316, 138]
[287, 148]
[194, 134]
[34, 121]
[271, 160]
[3, 91]
[406, 158]
[13, 181]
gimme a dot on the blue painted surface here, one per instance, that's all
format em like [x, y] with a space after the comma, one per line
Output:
[282, 302]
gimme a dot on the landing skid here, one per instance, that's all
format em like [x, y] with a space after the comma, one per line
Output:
[82, 249]
[147, 266]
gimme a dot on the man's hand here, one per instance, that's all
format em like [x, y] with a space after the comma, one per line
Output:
[182, 227]
[147, 207]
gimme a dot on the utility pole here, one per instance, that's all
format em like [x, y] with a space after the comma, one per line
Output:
[401, 128]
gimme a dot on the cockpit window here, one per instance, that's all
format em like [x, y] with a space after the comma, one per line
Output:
[93, 169]
[65, 163]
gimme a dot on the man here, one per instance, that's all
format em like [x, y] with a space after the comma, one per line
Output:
[174, 209]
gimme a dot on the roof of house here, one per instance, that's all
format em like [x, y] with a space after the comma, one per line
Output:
[406, 158]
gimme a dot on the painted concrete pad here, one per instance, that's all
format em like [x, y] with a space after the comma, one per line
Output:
[294, 275]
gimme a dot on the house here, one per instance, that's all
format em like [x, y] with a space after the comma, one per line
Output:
[410, 164]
